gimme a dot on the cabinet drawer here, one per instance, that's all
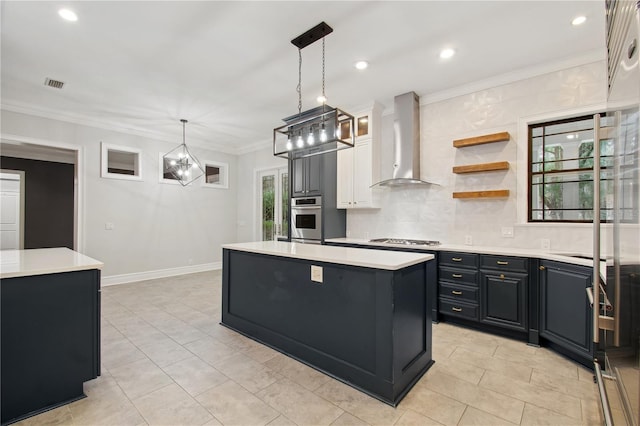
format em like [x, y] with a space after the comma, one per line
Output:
[459, 309]
[504, 263]
[465, 260]
[459, 292]
[458, 275]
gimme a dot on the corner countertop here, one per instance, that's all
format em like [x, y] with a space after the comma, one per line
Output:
[500, 251]
[387, 260]
[23, 263]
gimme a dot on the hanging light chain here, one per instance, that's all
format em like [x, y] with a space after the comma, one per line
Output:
[324, 98]
[299, 88]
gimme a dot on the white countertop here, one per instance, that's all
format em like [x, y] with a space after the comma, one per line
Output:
[22, 263]
[389, 260]
[500, 251]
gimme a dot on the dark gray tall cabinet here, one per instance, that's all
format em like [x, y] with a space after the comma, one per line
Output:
[317, 175]
[307, 175]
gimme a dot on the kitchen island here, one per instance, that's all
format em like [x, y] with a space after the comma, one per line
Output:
[50, 328]
[361, 316]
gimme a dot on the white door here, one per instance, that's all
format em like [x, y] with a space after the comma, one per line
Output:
[273, 203]
[10, 215]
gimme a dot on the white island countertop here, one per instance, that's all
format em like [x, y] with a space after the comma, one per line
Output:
[377, 259]
[23, 263]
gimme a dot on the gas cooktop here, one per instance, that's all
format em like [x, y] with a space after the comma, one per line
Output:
[406, 242]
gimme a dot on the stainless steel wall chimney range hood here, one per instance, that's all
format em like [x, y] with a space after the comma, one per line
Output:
[406, 142]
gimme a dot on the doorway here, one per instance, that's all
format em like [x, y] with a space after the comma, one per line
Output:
[11, 210]
[52, 196]
[273, 204]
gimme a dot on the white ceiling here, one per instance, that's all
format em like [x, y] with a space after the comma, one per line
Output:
[230, 69]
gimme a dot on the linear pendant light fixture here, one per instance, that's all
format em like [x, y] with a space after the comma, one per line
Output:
[319, 130]
[183, 166]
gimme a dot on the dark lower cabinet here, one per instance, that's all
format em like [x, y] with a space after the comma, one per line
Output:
[50, 340]
[565, 313]
[503, 299]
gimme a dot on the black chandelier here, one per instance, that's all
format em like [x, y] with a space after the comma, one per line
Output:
[319, 130]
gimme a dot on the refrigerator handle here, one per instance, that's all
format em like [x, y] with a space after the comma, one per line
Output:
[596, 229]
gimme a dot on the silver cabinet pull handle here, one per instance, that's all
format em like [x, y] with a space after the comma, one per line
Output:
[454, 309]
[456, 292]
[456, 275]
[456, 259]
[502, 262]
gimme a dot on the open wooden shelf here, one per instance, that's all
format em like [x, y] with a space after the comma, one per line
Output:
[479, 140]
[498, 193]
[484, 167]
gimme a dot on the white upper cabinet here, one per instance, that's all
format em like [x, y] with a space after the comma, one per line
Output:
[358, 167]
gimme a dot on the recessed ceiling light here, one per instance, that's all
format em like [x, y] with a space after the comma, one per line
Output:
[447, 53]
[361, 65]
[578, 20]
[68, 14]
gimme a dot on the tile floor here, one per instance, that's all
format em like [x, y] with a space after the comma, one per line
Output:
[167, 361]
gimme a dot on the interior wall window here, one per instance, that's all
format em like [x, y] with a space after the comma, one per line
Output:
[216, 174]
[561, 172]
[120, 162]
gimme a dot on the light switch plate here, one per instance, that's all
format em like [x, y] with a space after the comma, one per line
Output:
[109, 226]
[316, 273]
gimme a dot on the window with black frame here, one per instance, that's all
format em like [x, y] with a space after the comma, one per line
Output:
[561, 172]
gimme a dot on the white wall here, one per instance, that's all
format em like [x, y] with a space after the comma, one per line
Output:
[156, 226]
[248, 166]
[432, 213]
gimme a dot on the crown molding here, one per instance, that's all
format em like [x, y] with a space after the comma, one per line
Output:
[594, 56]
[38, 111]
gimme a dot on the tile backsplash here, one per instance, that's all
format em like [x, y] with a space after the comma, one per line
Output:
[430, 212]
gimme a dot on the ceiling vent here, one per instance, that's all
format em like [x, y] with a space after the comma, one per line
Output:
[53, 83]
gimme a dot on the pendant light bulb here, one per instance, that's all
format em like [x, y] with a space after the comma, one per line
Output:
[323, 134]
[289, 145]
[300, 142]
[310, 138]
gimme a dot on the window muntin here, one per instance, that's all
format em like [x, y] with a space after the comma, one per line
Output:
[561, 173]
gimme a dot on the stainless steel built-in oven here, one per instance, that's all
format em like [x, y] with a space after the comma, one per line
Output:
[306, 219]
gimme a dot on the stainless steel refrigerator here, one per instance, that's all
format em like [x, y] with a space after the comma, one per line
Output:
[616, 292]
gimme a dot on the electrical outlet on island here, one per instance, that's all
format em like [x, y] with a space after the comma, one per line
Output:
[545, 244]
[468, 240]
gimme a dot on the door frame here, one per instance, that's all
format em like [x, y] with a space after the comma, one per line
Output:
[257, 235]
[21, 213]
[78, 181]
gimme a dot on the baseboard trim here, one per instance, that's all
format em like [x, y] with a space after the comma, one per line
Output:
[160, 273]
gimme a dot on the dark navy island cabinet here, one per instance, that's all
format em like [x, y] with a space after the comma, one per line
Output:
[368, 327]
[50, 340]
